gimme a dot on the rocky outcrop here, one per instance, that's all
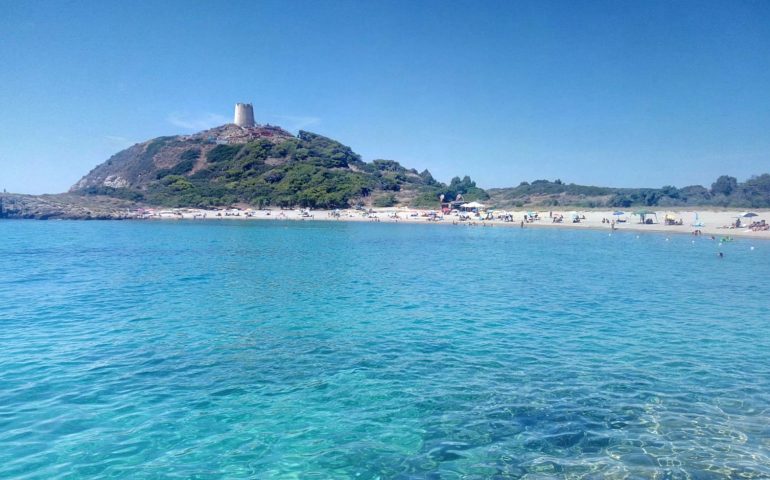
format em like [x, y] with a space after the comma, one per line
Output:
[65, 206]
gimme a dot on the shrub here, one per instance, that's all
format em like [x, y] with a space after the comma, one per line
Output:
[223, 153]
[388, 200]
[191, 154]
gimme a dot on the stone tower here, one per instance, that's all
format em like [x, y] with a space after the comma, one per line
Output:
[244, 115]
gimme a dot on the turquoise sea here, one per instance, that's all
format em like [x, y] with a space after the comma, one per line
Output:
[282, 350]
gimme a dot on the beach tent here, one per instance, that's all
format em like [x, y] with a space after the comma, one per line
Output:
[645, 213]
[472, 205]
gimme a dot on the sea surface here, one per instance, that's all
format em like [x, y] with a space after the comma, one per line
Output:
[283, 350]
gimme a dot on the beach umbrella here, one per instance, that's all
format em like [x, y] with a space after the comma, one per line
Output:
[644, 213]
[618, 213]
[749, 215]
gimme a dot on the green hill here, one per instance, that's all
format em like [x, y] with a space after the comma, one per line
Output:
[262, 166]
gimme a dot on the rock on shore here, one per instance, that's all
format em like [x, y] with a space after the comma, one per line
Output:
[65, 206]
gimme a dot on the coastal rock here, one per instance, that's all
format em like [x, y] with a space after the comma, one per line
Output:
[115, 181]
[65, 206]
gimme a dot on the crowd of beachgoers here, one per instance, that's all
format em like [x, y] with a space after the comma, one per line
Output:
[732, 223]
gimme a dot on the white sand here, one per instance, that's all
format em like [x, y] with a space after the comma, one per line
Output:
[716, 223]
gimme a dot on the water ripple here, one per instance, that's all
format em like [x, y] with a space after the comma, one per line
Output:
[269, 350]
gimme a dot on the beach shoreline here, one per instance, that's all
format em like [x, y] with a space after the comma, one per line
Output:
[719, 224]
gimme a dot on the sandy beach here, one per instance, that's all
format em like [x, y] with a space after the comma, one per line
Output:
[719, 224]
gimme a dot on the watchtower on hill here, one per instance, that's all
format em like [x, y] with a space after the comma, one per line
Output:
[244, 115]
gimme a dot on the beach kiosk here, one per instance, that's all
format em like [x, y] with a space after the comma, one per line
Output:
[472, 206]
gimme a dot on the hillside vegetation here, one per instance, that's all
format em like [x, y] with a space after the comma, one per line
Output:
[726, 191]
[308, 170]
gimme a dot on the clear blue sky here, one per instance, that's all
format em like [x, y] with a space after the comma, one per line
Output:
[622, 93]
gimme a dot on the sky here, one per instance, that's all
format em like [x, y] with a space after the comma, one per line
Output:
[613, 93]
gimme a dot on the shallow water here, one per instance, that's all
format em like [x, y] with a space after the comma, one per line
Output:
[341, 350]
